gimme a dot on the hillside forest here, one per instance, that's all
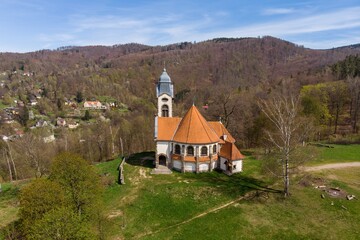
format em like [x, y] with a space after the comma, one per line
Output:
[44, 96]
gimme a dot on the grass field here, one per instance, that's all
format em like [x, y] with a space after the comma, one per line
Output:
[8, 204]
[154, 206]
[339, 153]
[164, 206]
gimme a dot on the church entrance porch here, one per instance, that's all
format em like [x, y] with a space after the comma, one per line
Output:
[162, 160]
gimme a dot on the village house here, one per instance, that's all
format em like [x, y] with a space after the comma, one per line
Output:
[191, 143]
[60, 122]
[72, 124]
[33, 102]
[41, 123]
[93, 105]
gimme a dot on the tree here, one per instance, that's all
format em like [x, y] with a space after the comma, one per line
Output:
[59, 104]
[286, 133]
[79, 97]
[23, 116]
[354, 88]
[36, 199]
[87, 115]
[62, 224]
[80, 182]
[338, 96]
[6, 155]
[30, 150]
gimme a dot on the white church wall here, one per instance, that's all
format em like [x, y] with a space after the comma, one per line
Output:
[164, 99]
[222, 163]
[177, 165]
[204, 167]
[190, 167]
[163, 148]
[214, 165]
[237, 166]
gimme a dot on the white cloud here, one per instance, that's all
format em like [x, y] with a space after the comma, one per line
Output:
[277, 11]
[342, 19]
[171, 28]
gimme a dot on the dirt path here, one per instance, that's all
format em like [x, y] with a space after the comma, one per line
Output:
[332, 166]
[191, 219]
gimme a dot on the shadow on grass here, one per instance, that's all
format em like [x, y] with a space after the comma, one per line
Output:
[236, 184]
[143, 159]
[8, 193]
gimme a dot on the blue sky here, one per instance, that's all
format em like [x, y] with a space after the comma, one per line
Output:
[30, 25]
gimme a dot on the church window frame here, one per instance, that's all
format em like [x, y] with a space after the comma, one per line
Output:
[190, 151]
[204, 151]
[165, 110]
[177, 149]
[214, 148]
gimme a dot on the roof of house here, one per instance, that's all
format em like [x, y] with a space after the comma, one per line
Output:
[194, 129]
[220, 130]
[230, 151]
[167, 127]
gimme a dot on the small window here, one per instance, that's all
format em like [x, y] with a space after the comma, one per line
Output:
[204, 151]
[177, 149]
[214, 149]
[165, 111]
[164, 99]
[190, 151]
[234, 166]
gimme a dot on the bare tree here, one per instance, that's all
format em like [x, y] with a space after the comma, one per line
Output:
[354, 88]
[286, 133]
[35, 154]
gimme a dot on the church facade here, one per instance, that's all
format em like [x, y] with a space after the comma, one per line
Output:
[191, 143]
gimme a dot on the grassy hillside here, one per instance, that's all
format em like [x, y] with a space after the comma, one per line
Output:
[162, 206]
[216, 206]
[336, 154]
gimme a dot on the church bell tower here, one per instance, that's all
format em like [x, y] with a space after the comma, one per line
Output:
[165, 95]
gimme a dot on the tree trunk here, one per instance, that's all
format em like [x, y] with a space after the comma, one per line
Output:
[287, 177]
[9, 166]
[12, 161]
[356, 110]
[112, 141]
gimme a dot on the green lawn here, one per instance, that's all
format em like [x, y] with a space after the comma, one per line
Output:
[339, 153]
[8, 204]
[158, 206]
[151, 206]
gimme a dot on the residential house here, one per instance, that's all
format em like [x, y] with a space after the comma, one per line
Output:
[61, 122]
[93, 105]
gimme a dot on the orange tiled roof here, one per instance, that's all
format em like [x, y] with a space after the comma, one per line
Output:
[167, 127]
[220, 130]
[194, 129]
[230, 151]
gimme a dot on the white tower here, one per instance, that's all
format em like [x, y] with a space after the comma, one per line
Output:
[165, 95]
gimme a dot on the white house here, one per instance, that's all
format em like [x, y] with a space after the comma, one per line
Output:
[191, 143]
[93, 105]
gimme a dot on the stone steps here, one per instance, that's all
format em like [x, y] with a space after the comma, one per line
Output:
[161, 170]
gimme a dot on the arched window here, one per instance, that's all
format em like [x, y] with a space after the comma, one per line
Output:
[214, 149]
[177, 149]
[190, 151]
[204, 151]
[165, 111]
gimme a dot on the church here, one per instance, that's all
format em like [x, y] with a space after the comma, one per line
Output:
[191, 143]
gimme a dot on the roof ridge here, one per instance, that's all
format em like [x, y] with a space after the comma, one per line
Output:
[188, 130]
[199, 115]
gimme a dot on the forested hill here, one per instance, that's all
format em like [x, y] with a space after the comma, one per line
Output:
[225, 73]
[234, 62]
